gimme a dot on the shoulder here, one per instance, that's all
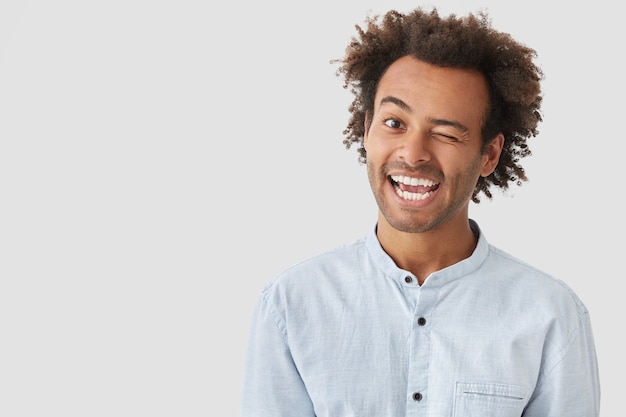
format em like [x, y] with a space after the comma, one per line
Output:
[542, 288]
[315, 272]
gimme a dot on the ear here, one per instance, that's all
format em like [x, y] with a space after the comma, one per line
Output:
[367, 123]
[492, 155]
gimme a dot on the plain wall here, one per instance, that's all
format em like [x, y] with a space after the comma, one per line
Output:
[161, 161]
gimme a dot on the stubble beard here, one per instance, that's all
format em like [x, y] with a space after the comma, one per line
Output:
[415, 220]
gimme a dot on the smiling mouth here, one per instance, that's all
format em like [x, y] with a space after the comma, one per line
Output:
[412, 188]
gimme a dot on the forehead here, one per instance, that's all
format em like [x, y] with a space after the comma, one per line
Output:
[434, 91]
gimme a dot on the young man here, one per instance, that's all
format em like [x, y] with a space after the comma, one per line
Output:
[423, 317]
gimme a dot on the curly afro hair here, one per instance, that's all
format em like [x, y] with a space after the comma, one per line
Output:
[467, 42]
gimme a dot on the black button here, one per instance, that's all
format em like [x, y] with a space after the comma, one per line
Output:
[421, 321]
[417, 396]
[408, 279]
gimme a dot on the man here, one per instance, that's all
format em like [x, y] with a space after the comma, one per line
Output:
[423, 317]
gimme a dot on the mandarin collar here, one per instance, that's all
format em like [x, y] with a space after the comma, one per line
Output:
[438, 278]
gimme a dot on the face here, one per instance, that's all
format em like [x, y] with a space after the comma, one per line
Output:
[424, 144]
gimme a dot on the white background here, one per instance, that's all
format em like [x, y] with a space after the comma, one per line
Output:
[161, 161]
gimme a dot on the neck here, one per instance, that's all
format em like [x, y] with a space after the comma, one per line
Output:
[427, 252]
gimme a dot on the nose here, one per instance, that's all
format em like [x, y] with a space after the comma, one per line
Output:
[415, 149]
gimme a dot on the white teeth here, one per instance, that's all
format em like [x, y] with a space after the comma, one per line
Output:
[412, 181]
[412, 196]
[407, 195]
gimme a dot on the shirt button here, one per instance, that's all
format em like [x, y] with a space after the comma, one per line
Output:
[417, 396]
[421, 321]
[408, 279]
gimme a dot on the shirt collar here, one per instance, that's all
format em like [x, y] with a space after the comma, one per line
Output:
[439, 278]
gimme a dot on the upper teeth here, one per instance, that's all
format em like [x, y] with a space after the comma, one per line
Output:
[412, 181]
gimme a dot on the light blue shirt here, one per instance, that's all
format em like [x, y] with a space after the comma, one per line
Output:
[349, 334]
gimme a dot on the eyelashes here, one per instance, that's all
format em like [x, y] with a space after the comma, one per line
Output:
[396, 124]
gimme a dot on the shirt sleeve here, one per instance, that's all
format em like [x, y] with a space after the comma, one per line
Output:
[272, 385]
[570, 385]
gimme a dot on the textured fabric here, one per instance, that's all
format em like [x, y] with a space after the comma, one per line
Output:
[348, 333]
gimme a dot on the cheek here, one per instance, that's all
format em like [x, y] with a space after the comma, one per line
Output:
[472, 172]
[377, 148]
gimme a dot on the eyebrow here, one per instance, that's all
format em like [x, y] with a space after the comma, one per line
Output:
[397, 102]
[440, 122]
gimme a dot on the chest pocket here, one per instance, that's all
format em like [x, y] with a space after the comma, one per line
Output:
[489, 400]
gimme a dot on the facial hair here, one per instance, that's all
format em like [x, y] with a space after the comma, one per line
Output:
[459, 187]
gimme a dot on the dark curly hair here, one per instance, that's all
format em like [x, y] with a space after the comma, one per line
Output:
[460, 42]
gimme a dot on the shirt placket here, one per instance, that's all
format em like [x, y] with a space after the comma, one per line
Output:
[419, 353]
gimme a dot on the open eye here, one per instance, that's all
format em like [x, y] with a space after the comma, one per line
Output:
[393, 123]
